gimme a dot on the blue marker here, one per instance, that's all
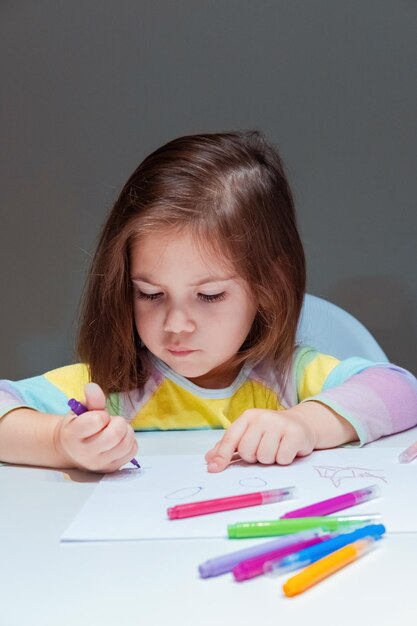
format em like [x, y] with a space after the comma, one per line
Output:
[314, 553]
[78, 408]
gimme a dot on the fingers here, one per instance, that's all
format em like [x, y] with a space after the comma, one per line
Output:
[96, 417]
[120, 454]
[265, 436]
[111, 448]
[287, 451]
[221, 455]
[110, 436]
[98, 441]
[248, 445]
[89, 424]
[268, 448]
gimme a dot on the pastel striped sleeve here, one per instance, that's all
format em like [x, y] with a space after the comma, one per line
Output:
[311, 371]
[378, 399]
[48, 393]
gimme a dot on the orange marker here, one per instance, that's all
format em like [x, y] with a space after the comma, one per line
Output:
[326, 566]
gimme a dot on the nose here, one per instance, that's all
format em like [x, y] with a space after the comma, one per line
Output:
[178, 321]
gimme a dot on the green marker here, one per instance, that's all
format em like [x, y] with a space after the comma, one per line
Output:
[272, 528]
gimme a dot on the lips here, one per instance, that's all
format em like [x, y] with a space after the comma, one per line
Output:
[180, 350]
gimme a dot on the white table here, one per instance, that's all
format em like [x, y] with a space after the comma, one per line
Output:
[155, 583]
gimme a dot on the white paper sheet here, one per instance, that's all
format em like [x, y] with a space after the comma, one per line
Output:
[132, 504]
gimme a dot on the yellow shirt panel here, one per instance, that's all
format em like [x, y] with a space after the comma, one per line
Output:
[314, 374]
[70, 380]
[172, 407]
[252, 395]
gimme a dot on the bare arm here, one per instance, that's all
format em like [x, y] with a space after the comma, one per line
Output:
[28, 437]
[96, 441]
[331, 429]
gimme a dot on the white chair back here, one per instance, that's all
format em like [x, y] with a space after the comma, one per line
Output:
[332, 330]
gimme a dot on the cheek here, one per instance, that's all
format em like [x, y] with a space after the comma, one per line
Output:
[234, 323]
[241, 315]
[145, 321]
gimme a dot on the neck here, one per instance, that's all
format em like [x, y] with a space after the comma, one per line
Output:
[217, 378]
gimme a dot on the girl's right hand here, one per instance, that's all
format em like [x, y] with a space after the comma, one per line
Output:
[95, 440]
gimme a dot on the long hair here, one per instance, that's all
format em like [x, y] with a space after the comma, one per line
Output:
[231, 191]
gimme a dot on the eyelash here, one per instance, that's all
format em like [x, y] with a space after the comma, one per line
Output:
[147, 296]
[217, 297]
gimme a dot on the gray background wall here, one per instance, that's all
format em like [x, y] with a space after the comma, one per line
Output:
[90, 87]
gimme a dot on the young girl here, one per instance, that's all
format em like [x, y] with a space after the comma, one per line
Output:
[189, 321]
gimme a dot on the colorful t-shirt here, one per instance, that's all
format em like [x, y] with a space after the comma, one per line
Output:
[376, 398]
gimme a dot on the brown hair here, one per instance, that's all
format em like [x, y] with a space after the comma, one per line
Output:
[230, 189]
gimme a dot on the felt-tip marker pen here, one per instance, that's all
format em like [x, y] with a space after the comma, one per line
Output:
[271, 528]
[231, 502]
[78, 408]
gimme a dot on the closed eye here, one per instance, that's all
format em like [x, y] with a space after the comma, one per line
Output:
[216, 297]
[148, 296]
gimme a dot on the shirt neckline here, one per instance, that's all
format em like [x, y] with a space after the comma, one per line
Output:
[183, 382]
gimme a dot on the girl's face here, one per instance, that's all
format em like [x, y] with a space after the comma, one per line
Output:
[190, 311]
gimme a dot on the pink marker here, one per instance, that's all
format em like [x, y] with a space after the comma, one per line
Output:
[255, 566]
[335, 504]
[233, 502]
[409, 454]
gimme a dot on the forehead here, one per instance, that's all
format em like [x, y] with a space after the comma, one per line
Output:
[177, 251]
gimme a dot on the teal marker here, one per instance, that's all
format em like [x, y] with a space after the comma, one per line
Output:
[272, 528]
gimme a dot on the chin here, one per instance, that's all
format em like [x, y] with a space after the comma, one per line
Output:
[188, 371]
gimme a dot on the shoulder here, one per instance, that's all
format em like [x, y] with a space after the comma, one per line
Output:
[307, 359]
[69, 379]
[310, 370]
[48, 392]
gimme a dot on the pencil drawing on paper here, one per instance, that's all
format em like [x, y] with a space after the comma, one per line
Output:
[126, 474]
[189, 492]
[254, 481]
[185, 492]
[336, 473]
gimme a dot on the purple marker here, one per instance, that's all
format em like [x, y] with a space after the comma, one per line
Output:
[338, 503]
[78, 408]
[226, 562]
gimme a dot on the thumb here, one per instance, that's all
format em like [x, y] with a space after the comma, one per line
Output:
[94, 397]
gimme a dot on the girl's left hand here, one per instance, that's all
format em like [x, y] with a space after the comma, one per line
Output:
[266, 436]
